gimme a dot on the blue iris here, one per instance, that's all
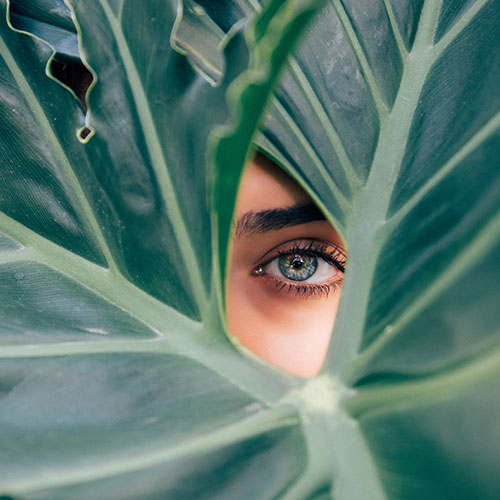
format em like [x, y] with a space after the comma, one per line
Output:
[297, 267]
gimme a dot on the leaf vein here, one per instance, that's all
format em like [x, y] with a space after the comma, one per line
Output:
[352, 177]
[427, 389]
[403, 52]
[467, 17]
[369, 77]
[262, 422]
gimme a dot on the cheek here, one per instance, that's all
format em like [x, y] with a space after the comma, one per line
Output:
[289, 331]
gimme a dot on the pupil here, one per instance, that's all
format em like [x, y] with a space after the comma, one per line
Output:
[297, 262]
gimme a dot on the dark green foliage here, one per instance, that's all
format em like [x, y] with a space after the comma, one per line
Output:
[117, 379]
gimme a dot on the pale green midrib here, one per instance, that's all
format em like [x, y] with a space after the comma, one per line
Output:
[158, 161]
[247, 428]
[356, 456]
[459, 26]
[306, 484]
[403, 52]
[58, 151]
[339, 196]
[336, 449]
[318, 469]
[353, 180]
[456, 269]
[441, 387]
[380, 105]
[73, 347]
[482, 135]
[370, 207]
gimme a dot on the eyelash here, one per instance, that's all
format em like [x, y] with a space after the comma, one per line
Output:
[335, 257]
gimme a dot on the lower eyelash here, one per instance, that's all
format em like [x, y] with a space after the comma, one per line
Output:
[311, 290]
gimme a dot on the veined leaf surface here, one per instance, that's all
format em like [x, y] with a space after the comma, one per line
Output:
[118, 380]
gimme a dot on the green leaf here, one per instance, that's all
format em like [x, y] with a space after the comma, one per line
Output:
[49, 20]
[118, 379]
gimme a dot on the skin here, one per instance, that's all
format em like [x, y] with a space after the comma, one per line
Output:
[284, 325]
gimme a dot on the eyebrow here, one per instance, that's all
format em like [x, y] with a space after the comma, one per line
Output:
[277, 218]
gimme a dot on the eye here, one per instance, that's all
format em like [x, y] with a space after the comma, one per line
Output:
[301, 267]
[304, 266]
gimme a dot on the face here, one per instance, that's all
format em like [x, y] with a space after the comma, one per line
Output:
[286, 271]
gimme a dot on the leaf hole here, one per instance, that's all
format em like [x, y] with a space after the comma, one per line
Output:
[84, 133]
[75, 76]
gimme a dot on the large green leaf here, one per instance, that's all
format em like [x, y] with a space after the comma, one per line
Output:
[118, 380]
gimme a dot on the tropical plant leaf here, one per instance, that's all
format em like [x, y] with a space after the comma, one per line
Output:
[118, 380]
[49, 20]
